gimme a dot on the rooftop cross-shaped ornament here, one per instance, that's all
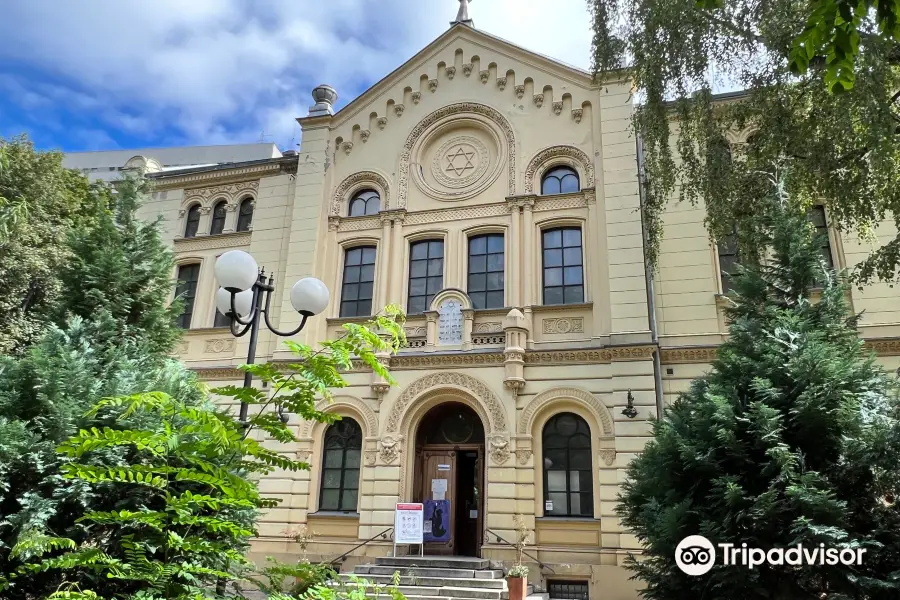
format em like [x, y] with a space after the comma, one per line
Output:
[463, 15]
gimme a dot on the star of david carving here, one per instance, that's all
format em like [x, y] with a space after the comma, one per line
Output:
[460, 161]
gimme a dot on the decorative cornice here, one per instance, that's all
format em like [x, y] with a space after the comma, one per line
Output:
[211, 242]
[218, 176]
[884, 346]
[695, 354]
[220, 374]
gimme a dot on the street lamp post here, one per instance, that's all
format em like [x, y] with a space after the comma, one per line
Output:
[240, 298]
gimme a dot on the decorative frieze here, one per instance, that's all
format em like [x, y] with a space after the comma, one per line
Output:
[700, 354]
[211, 242]
[230, 191]
[490, 327]
[219, 346]
[885, 347]
[564, 325]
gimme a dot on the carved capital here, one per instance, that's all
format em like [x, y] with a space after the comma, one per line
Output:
[416, 97]
[523, 455]
[398, 109]
[347, 147]
[231, 207]
[334, 222]
[205, 210]
[608, 456]
[577, 114]
[467, 69]
[557, 107]
[382, 122]
[485, 75]
[520, 91]
[451, 72]
[501, 83]
[539, 100]
[364, 135]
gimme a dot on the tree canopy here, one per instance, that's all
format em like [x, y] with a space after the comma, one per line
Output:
[792, 438]
[840, 149]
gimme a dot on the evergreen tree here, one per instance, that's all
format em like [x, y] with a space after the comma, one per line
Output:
[40, 204]
[792, 438]
[121, 267]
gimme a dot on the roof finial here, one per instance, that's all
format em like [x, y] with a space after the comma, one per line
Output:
[463, 15]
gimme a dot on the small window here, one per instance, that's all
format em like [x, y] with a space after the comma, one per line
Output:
[728, 261]
[568, 467]
[366, 202]
[568, 590]
[563, 270]
[561, 180]
[817, 217]
[187, 290]
[485, 286]
[245, 215]
[340, 471]
[218, 218]
[359, 278]
[192, 222]
[426, 274]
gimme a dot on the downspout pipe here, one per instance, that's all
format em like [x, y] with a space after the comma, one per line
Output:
[648, 274]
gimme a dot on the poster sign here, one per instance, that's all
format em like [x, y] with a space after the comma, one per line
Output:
[548, 505]
[437, 520]
[438, 489]
[443, 467]
[408, 523]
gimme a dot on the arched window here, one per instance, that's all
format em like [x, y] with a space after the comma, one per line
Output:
[245, 215]
[568, 480]
[340, 470]
[218, 218]
[192, 222]
[358, 282]
[560, 180]
[366, 202]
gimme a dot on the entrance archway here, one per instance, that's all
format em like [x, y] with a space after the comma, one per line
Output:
[449, 478]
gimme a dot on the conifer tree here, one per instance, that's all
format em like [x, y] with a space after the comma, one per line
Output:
[791, 438]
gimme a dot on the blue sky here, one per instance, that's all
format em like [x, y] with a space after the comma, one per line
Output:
[102, 74]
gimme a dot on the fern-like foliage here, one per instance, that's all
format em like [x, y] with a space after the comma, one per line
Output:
[187, 473]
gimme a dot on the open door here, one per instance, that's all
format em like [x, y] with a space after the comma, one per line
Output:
[438, 493]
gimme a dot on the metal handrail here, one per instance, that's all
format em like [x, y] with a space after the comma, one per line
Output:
[534, 558]
[343, 556]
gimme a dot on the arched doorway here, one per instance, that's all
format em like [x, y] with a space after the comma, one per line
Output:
[449, 478]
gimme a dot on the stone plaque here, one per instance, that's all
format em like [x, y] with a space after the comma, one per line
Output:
[450, 323]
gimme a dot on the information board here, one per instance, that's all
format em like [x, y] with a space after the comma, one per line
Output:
[408, 523]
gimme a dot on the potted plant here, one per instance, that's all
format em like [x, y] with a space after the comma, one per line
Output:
[517, 576]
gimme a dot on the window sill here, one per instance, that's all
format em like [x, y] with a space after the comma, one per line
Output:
[342, 320]
[552, 307]
[335, 514]
[214, 236]
[573, 519]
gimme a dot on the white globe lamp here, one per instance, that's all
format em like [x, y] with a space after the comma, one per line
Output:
[236, 271]
[309, 296]
[243, 302]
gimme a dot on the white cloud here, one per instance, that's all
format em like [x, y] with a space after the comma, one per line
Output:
[217, 71]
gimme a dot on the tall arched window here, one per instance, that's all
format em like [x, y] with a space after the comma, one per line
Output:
[245, 215]
[560, 180]
[366, 202]
[218, 218]
[340, 470]
[568, 480]
[192, 222]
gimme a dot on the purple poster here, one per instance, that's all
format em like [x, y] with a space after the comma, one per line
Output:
[437, 521]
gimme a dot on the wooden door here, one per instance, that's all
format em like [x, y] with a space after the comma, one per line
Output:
[439, 483]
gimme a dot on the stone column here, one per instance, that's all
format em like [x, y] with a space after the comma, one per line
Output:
[516, 328]
[398, 255]
[431, 330]
[529, 244]
[384, 263]
[598, 275]
[468, 323]
[230, 218]
[515, 243]
[205, 220]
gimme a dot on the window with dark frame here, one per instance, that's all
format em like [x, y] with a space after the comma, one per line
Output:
[245, 215]
[568, 481]
[560, 180]
[563, 277]
[729, 258]
[426, 274]
[366, 202]
[568, 590]
[218, 218]
[817, 217]
[340, 466]
[358, 281]
[192, 222]
[486, 271]
[187, 290]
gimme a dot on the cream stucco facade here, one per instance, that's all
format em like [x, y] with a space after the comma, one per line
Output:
[456, 144]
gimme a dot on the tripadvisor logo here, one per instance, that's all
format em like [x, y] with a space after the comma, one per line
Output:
[695, 555]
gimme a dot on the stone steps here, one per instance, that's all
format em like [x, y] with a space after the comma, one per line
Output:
[438, 578]
[426, 581]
